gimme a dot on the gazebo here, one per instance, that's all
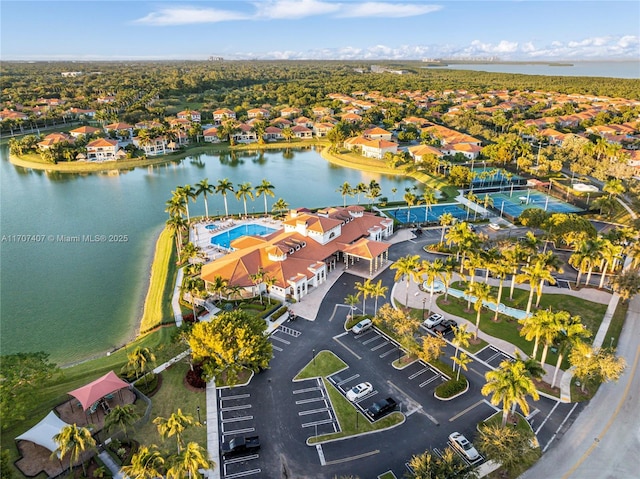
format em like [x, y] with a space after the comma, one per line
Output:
[42, 433]
[375, 252]
[96, 390]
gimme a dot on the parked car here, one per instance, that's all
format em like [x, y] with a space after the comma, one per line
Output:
[462, 444]
[362, 326]
[494, 226]
[359, 391]
[445, 326]
[433, 320]
[240, 445]
[380, 408]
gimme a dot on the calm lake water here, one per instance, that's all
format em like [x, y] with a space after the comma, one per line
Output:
[630, 69]
[77, 299]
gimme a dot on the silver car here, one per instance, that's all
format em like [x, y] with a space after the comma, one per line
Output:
[462, 444]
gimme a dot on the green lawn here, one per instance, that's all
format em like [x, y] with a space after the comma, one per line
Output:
[171, 396]
[325, 364]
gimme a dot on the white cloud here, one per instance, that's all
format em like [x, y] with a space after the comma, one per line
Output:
[189, 15]
[292, 9]
[386, 10]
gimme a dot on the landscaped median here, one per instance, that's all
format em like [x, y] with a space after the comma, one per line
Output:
[352, 422]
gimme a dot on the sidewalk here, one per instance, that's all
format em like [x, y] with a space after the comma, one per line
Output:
[416, 297]
[175, 301]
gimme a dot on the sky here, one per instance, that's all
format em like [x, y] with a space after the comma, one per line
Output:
[319, 29]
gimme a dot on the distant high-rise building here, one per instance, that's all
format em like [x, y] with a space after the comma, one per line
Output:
[215, 59]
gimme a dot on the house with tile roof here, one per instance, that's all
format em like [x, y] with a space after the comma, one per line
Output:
[258, 113]
[211, 135]
[102, 149]
[223, 114]
[320, 130]
[245, 134]
[301, 254]
[154, 146]
[12, 115]
[377, 133]
[418, 151]
[84, 131]
[371, 148]
[290, 112]
[273, 133]
[190, 115]
[468, 150]
[300, 131]
[53, 138]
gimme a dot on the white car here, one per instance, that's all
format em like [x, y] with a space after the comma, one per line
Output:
[494, 226]
[359, 391]
[461, 443]
[362, 326]
[433, 320]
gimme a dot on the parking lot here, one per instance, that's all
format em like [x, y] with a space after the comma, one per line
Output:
[493, 356]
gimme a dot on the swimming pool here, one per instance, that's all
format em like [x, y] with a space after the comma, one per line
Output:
[225, 238]
[422, 214]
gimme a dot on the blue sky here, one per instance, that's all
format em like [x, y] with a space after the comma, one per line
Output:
[319, 29]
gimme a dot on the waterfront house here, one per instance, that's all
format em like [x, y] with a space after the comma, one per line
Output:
[53, 138]
[321, 130]
[377, 134]
[102, 149]
[302, 132]
[245, 134]
[371, 148]
[86, 131]
[418, 151]
[272, 133]
[211, 135]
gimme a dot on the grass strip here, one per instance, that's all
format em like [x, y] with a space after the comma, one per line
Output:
[324, 364]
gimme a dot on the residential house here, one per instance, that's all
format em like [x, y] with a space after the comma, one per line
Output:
[272, 133]
[102, 149]
[258, 113]
[303, 121]
[181, 123]
[53, 138]
[371, 148]
[470, 151]
[12, 115]
[320, 111]
[86, 131]
[190, 115]
[377, 134]
[223, 114]
[80, 112]
[418, 151]
[351, 118]
[106, 99]
[289, 112]
[300, 255]
[302, 132]
[211, 135]
[119, 128]
[153, 146]
[320, 130]
[245, 134]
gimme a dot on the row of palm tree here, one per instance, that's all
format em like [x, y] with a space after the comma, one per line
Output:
[368, 289]
[372, 191]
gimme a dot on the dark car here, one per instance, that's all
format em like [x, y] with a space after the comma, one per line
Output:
[380, 408]
[445, 327]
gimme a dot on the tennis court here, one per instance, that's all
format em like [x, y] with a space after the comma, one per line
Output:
[423, 214]
[513, 204]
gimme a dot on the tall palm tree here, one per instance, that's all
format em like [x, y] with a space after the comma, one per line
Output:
[244, 191]
[510, 384]
[280, 205]
[265, 189]
[501, 269]
[407, 267]
[571, 332]
[188, 462]
[219, 286]
[610, 254]
[121, 417]
[139, 360]
[535, 274]
[176, 205]
[378, 291]
[409, 197]
[204, 188]
[473, 261]
[585, 258]
[445, 220]
[177, 225]
[174, 425]
[352, 300]
[461, 338]
[552, 263]
[482, 292]
[191, 285]
[365, 288]
[189, 252]
[433, 271]
[535, 326]
[461, 361]
[223, 187]
[614, 187]
[360, 188]
[512, 258]
[186, 193]
[345, 190]
[73, 441]
[429, 198]
[554, 324]
[146, 463]
[447, 275]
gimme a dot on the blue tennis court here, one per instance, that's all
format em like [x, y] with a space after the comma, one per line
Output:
[513, 204]
[422, 214]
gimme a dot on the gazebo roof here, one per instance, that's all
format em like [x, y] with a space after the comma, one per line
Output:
[43, 432]
[96, 390]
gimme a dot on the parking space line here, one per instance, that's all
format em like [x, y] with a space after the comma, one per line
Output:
[465, 411]
[495, 408]
[306, 401]
[291, 332]
[273, 336]
[237, 396]
[317, 423]
[379, 346]
[276, 347]
[235, 408]
[414, 375]
[320, 454]
[242, 474]
[388, 352]
[355, 376]
[547, 418]
[238, 431]
[372, 339]
[370, 395]
[306, 390]
[313, 411]
[235, 460]
[237, 419]
[430, 380]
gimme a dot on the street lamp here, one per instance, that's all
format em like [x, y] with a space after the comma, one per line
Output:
[314, 356]
[424, 300]
[198, 409]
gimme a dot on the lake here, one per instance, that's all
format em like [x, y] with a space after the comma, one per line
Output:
[75, 298]
[611, 69]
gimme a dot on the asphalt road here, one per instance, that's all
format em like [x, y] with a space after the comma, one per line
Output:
[604, 442]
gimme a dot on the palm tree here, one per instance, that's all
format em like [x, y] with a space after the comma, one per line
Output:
[610, 254]
[191, 285]
[244, 191]
[461, 338]
[501, 269]
[535, 274]
[219, 286]
[287, 133]
[265, 189]
[534, 327]
[585, 258]
[174, 425]
[482, 292]
[509, 385]
[189, 252]
[268, 282]
[473, 261]
[614, 187]
[429, 198]
[204, 188]
[188, 462]
[365, 288]
[188, 192]
[359, 189]
[352, 300]
[447, 275]
[146, 463]
[280, 205]
[345, 190]
[551, 263]
[378, 291]
[511, 259]
[223, 187]
[410, 198]
[571, 332]
[461, 362]
[176, 205]
[445, 220]
[433, 271]
[177, 225]
[407, 267]
[139, 361]
[121, 417]
[73, 441]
